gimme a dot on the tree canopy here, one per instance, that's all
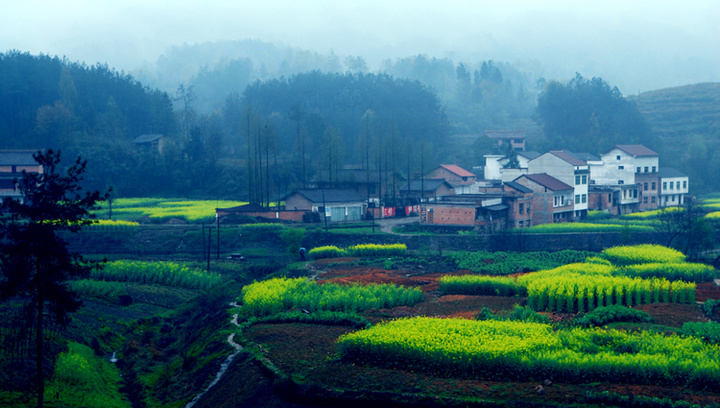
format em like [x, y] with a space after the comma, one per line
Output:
[588, 115]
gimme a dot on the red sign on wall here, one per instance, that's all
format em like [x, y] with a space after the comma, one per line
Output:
[388, 212]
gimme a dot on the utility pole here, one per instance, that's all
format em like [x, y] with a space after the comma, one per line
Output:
[209, 246]
[324, 209]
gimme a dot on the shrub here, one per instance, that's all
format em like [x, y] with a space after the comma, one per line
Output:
[615, 313]
[709, 307]
[708, 331]
[688, 272]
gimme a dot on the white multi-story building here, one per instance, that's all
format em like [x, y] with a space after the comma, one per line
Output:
[495, 166]
[674, 186]
[626, 165]
[569, 169]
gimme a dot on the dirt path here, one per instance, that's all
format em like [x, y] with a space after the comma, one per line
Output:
[387, 224]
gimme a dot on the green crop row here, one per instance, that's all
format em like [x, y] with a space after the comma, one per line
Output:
[98, 289]
[481, 285]
[281, 294]
[507, 263]
[689, 272]
[519, 350]
[639, 254]
[331, 251]
[708, 331]
[162, 273]
[582, 287]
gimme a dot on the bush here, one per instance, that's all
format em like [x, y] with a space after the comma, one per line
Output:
[708, 331]
[608, 314]
[479, 285]
[709, 307]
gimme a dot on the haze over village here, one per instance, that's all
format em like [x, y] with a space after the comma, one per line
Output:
[332, 203]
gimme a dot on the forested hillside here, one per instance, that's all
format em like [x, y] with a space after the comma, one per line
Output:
[687, 121]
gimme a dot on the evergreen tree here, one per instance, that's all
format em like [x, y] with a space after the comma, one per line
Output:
[35, 262]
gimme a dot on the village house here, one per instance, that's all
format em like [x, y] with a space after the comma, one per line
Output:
[519, 200]
[336, 205]
[673, 187]
[150, 142]
[495, 166]
[514, 138]
[462, 181]
[12, 164]
[634, 171]
[416, 191]
[485, 212]
[552, 199]
[569, 169]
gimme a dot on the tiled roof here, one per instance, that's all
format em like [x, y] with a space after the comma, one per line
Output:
[519, 187]
[17, 157]
[331, 195]
[669, 172]
[529, 154]
[548, 181]
[635, 150]
[585, 156]
[568, 157]
[457, 170]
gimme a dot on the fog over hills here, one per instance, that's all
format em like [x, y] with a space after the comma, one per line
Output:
[638, 46]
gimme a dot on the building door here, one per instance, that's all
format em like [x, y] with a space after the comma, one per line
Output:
[354, 213]
[337, 214]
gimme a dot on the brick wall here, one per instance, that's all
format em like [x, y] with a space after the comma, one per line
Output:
[442, 215]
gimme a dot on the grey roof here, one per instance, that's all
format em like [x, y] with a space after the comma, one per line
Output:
[147, 138]
[427, 184]
[634, 150]
[568, 157]
[519, 187]
[17, 157]
[585, 156]
[548, 181]
[529, 154]
[329, 195]
[669, 172]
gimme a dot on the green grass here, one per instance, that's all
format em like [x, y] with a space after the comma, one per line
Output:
[159, 210]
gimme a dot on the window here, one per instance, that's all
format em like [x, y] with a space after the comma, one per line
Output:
[609, 197]
[677, 185]
[645, 186]
[684, 184]
[654, 169]
[584, 198]
[577, 180]
[617, 157]
[584, 179]
[653, 185]
[638, 169]
[646, 169]
[652, 199]
[671, 185]
[672, 198]
[664, 185]
[577, 198]
[644, 200]
[621, 167]
[521, 224]
[621, 182]
[522, 207]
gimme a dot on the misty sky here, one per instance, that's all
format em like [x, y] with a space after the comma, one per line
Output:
[637, 45]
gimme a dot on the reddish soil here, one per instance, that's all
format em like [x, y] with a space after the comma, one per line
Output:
[307, 354]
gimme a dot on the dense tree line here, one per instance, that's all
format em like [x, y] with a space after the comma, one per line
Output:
[587, 115]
